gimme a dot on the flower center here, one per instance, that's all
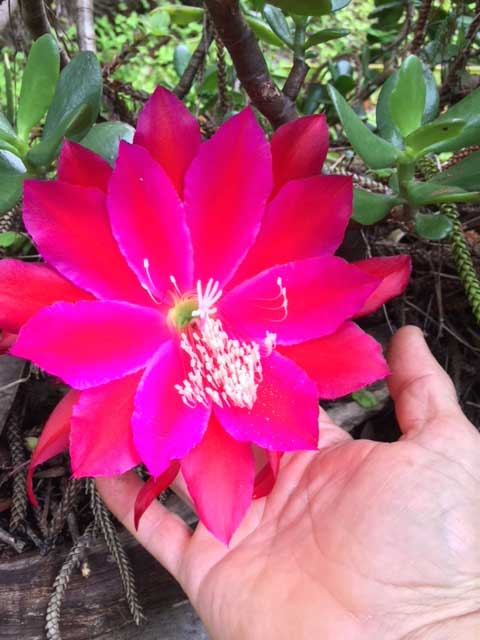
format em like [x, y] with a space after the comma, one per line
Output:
[224, 371]
[182, 313]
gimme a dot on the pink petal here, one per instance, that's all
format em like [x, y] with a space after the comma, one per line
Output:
[28, 287]
[101, 439]
[164, 427]
[219, 474]
[394, 273]
[169, 131]
[53, 440]
[148, 221]
[80, 166]
[226, 188]
[321, 294]
[340, 363]
[153, 488]
[307, 218]
[70, 226]
[299, 149]
[90, 343]
[266, 478]
[285, 414]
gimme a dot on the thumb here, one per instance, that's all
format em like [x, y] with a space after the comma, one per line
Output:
[420, 388]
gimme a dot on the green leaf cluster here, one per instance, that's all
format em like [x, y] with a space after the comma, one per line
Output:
[407, 130]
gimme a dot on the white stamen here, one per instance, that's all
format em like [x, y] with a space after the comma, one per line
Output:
[283, 294]
[270, 342]
[174, 282]
[224, 371]
[207, 299]
[269, 304]
[150, 288]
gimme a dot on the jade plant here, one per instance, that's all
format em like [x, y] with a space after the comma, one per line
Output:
[409, 129]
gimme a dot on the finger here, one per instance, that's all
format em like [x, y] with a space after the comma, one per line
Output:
[420, 388]
[163, 534]
[330, 433]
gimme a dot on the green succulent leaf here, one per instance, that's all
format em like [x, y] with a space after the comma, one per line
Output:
[467, 109]
[181, 15]
[6, 146]
[181, 58]
[278, 24]
[375, 152]
[74, 107]
[465, 174]
[432, 226]
[325, 35]
[365, 398]
[38, 84]
[263, 31]
[158, 22]
[423, 193]
[431, 137]
[310, 7]
[7, 132]
[385, 124]
[10, 238]
[105, 138]
[408, 96]
[12, 174]
[369, 208]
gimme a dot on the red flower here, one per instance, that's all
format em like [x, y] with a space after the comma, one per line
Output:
[194, 303]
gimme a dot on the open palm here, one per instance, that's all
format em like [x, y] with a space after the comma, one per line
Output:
[358, 540]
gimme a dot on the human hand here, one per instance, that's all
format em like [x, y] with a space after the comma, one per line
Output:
[359, 540]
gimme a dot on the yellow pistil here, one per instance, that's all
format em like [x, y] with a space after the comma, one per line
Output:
[180, 315]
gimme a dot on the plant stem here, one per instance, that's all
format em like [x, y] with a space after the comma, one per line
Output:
[406, 173]
[299, 70]
[9, 89]
[250, 63]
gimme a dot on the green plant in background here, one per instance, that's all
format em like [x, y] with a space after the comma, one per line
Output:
[408, 133]
[408, 130]
[67, 101]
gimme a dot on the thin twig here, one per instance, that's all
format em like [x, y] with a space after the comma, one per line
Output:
[221, 75]
[195, 63]
[18, 545]
[421, 26]
[458, 64]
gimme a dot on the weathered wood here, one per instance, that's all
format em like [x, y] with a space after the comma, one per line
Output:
[94, 607]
